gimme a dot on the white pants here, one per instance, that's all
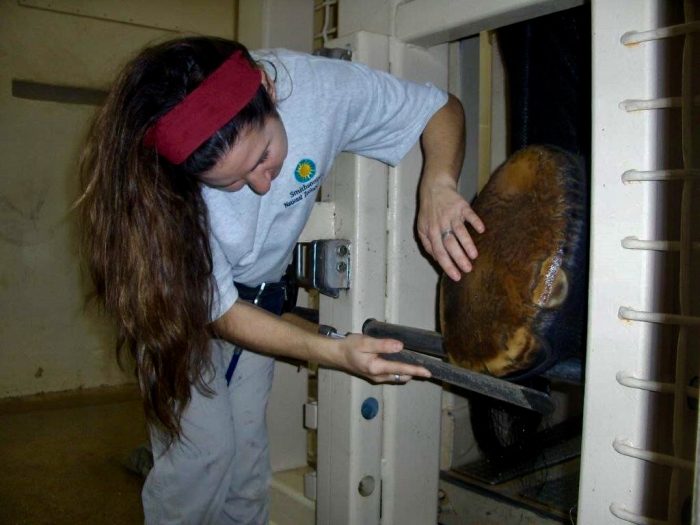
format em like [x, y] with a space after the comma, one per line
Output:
[218, 472]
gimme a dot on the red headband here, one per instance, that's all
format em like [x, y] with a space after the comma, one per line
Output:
[205, 110]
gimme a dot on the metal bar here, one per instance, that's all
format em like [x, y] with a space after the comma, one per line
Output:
[696, 479]
[680, 407]
[636, 37]
[630, 314]
[631, 381]
[626, 449]
[417, 339]
[332, 30]
[323, 5]
[659, 175]
[633, 243]
[631, 517]
[655, 103]
[431, 22]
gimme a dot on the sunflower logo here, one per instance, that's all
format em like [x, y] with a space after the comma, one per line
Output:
[305, 170]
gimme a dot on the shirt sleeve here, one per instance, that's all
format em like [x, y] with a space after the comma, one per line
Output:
[380, 115]
[225, 292]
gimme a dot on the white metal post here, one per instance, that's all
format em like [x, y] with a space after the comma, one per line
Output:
[622, 372]
[398, 450]
[412, 412]
[349, 445]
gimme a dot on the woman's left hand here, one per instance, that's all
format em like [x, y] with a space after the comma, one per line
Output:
[443, 212]
[441, 225]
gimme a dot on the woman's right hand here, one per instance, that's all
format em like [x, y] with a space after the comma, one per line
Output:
[362, 355]
[253, 328]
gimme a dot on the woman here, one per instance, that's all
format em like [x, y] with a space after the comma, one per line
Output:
[199, 175]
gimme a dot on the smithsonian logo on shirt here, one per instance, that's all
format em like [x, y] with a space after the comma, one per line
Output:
[305, 174]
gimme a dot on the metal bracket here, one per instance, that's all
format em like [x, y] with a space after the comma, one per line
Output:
[323, 265]
[339, 53]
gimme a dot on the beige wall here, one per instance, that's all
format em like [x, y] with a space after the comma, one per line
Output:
[276, 23]
[374, 16]
[47, 341]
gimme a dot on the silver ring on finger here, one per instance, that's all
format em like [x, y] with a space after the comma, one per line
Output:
[397, 378]
[445, 234]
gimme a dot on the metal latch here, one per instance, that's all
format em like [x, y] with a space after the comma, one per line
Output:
[339, 53]
[323, 265]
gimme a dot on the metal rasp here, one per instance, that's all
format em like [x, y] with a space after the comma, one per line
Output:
[424, 348]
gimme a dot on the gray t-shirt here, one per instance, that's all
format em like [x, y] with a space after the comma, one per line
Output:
[327, 106]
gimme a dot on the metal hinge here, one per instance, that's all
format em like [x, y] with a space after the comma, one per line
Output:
[323, 265]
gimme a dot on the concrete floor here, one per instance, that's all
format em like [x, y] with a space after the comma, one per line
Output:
[61, 458]
[62, 464]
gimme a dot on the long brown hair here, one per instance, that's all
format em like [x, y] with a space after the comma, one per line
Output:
[145, 231]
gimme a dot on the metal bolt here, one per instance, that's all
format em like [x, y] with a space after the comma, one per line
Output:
[366, 486]
[342, 250]
[341, 267]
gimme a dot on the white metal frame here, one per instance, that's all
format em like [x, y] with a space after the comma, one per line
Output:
[387, 469]
[626, 304]
[366, 467]
[388, 275]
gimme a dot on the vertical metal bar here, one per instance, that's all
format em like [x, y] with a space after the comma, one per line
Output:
[696, 479]
[679, 403]
[485, 106]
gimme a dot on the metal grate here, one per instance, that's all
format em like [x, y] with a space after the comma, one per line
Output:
[494, 472]
[559, 493]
